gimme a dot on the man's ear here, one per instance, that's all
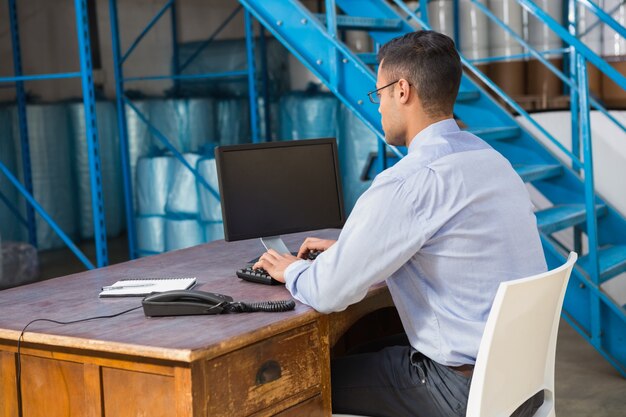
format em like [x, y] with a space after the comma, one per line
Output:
[404, 90]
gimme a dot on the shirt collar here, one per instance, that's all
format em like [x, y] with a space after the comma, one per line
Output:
[433, 130]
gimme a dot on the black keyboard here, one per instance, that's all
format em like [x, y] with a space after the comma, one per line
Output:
[261, 276]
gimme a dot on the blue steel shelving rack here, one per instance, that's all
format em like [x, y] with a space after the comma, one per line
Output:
[178, 68]
[26, 189]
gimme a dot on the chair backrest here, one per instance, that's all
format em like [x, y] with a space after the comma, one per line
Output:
[516, 354]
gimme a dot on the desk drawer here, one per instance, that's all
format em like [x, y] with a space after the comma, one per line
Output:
[265, 373]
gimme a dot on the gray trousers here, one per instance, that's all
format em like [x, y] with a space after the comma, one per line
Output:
[397, 381]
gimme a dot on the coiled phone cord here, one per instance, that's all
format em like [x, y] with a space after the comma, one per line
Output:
[250, 307]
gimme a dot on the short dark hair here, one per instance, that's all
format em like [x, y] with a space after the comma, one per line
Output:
[429, 61]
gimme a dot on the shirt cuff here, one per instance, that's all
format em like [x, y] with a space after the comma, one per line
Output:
[293, 272]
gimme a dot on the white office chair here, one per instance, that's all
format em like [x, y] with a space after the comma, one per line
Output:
[517, 351]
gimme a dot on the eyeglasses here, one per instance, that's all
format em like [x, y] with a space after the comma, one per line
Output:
[375, 97]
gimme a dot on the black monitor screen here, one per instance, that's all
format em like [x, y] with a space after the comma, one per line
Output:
[268, 189]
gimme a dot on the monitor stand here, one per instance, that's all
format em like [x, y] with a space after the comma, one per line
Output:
[276, 243]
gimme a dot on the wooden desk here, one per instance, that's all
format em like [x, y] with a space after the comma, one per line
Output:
[226, 365]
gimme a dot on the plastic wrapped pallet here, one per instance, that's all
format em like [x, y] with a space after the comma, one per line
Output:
[473, 27]
[356, 142]
[54, 186]
[154, 176]
[109, 168]
[182, 199]
[150, 234]
[230, 55]
[10, 228]
[139, 139]
[20, 264]
[233, 121]
[210, 207]
[213, 231]
[188, 124]
[305, 116]
[182, 233]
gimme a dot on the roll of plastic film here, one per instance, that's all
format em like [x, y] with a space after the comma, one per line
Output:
[615, 53]
[154, 176]
[474, 36]
[109, 168]
[10, 227]
[306, 116]
[501, 42]
[150, 234]
[180, 234]
[210, 207]
[139, 138]
[542, 83]
[54, 187]
[233, 121]
[182, 197]
[590, 33]
[213, 231]
[614, 44]
[202, 128]
[508, 74]
[540, 36]
[441, 16]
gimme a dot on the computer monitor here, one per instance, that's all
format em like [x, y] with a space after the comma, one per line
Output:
[273, 188]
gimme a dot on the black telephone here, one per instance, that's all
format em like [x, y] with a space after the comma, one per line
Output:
[184, 303]
[194, 302]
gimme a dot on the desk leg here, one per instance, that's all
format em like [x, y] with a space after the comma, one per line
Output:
[8, 389]
[93, 390]
[184, 396]
[324, 331]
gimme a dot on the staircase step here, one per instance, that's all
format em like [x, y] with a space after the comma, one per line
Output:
[530, 173]
[364, 23]
[468, 95]
[612, 261]
[563, 216]
[496, 133]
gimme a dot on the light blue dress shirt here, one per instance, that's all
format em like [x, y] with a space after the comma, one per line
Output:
[444, 226]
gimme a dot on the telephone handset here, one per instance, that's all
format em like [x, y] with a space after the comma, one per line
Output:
[194, 302]
[184, 303]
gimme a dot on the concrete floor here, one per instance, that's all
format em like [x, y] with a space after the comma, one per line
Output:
[586, 385]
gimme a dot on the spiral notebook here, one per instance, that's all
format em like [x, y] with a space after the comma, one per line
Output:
[139, 287]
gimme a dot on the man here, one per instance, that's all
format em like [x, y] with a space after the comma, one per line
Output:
[443, 227]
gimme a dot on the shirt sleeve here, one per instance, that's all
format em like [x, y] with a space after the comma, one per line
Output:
[384, 230]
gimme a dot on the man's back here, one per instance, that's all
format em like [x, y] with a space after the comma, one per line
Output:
[477, 229]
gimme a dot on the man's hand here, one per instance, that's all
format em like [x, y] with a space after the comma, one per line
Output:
[313, 243]
[275, 263]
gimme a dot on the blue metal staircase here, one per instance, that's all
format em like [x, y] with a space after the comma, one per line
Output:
[313, 38]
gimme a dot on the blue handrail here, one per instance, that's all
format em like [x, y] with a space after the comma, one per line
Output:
[604, 17]
[599, 21]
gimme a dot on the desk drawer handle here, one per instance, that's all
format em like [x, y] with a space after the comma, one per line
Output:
[268, 372]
